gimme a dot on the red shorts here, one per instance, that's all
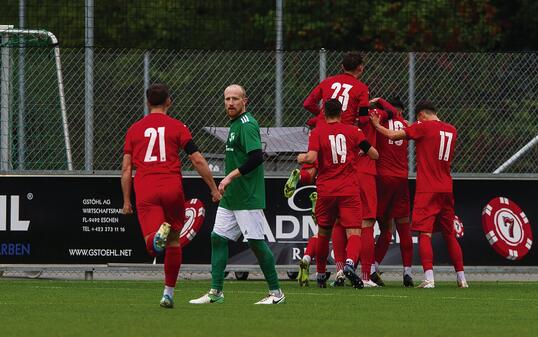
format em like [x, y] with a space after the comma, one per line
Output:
[368, 195]
[393, 197]
[160, 200]
[433, 212]
[345, 208]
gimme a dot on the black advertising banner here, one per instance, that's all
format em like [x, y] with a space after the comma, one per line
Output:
[77, 220]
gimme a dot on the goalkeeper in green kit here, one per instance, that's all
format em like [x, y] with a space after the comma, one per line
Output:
[240, 211]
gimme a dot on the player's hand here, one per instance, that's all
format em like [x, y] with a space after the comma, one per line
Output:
[224, 183]
[127, 208]
[216, 196]
[374, 117]
[301, 158]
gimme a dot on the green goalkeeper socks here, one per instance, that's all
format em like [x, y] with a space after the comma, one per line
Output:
[267, 262]
[219, 259]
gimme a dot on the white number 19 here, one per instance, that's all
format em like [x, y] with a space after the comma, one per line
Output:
[152, 134]
[338, 148]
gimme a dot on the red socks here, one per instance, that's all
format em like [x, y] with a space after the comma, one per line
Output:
[454, 251]
[382, 244]
[306, 178]
[172, 262]
[426, 251]
[353, 248]
[311, 247]
[322, 249]
[339, 246]
[406, 243]
[367, 251]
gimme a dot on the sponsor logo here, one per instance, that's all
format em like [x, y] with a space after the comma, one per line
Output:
[15, 249]
[507, 228]
[14, 221]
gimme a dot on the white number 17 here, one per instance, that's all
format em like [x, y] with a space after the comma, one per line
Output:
[444, 146]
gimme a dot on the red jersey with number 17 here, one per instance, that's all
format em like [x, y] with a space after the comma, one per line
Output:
[154, 143]
[351, 92]
[337, 146]
[434, 143]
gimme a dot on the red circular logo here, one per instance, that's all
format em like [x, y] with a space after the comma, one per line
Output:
[194, 219]
[507, 228]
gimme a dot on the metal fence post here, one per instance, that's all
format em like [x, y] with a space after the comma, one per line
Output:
[146, 81]
[279, 64]
[88, 87]
[5, 94]
[322, 64]
[411, 109]
[22, 90]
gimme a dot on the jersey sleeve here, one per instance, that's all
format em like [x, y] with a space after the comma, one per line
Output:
[415, 131]
[184, 135]
[360, 136]
[128, 146]
[311, 103]
[250, 137]
[313, 141]
[364, 97]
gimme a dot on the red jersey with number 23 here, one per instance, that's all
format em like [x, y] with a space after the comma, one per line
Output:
[154, 143]
[351, 92]
[434, 143]
[337, 145]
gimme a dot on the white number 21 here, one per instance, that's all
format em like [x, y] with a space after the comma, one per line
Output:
[152, 134]
[444, 146]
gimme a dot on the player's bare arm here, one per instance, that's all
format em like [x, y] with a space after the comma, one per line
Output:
[307, 158]
[126, 183]
[201, 166]
[391, 134]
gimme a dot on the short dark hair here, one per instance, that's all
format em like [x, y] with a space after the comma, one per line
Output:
[397, 103]
[157, 94]
[425, 106]
[351, 61]
[333, 108]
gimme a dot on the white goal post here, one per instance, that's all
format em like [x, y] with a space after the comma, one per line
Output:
[6, 31]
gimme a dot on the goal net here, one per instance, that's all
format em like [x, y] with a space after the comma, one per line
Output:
[34, 132]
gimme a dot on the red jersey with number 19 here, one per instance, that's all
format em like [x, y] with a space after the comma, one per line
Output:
[337, 146]
[154, 143]
[434, 142]
[392, 160]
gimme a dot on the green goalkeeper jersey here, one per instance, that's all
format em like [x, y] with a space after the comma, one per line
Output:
[248, 191]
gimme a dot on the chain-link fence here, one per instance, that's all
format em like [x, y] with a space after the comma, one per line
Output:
[491, 98]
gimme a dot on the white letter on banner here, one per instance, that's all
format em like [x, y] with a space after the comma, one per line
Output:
[3, 212]
[16, 224]
[280, 219]
[309, 225]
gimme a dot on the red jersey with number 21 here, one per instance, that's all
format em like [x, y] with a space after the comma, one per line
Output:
[154, 143]
[337, 146]
[434, 143]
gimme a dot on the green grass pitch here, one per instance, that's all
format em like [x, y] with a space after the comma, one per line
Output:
[37, 308]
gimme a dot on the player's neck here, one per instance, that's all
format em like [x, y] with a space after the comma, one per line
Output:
[332, 120]
[158, 111]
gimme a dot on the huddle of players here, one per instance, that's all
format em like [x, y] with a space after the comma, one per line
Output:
[356, 184]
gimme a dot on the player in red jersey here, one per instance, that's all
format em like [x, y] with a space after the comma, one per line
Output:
[152, 146]
[434, 201]
[353, 95]
[393, 191]
[336, 146]
[367, 172]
